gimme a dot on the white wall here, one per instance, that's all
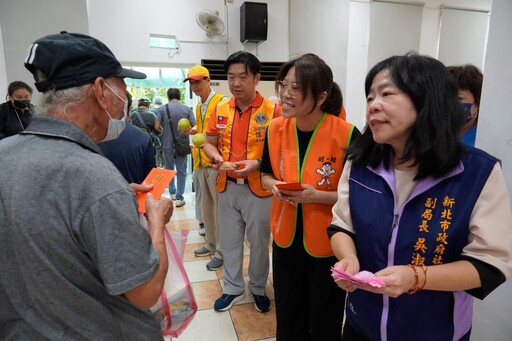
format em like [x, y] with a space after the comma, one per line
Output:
[357, 58]
[129, 38]
[3, 71]
[429, 31]
[276, 47]
[491, 319]
[363, 54]
[495, 119]
[24, 21]
[124, 26]
[395, 29]
[482, 5]
[128, 34]
[322, 27]
[359, 54]
[492, 315]
[463, 30]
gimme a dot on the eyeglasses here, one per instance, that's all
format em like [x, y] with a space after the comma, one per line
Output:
[293, 88]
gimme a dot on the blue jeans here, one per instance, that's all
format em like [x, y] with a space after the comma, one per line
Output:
[180, 164]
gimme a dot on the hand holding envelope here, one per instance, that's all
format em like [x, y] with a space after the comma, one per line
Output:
[160, 179]
[362, 277]
[290, 186]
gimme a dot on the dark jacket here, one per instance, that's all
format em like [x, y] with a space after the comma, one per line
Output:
[13, 120]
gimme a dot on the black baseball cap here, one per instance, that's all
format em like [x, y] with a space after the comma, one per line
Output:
[65, 60]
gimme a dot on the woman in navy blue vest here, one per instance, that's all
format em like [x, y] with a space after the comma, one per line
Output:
[426, 214]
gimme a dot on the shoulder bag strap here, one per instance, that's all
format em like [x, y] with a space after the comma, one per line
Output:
[170, 121]
[141, 120]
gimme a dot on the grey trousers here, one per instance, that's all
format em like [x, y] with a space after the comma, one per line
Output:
[197, 190]
[209, 201]
[241, 212]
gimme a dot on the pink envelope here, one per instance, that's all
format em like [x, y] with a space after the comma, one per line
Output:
[363, 277]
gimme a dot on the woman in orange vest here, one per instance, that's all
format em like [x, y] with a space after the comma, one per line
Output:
[305, 147]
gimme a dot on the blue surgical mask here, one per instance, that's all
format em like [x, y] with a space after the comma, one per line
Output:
[467, 109]
[116, 126]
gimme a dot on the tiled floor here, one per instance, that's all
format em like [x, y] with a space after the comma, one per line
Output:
[242, 322]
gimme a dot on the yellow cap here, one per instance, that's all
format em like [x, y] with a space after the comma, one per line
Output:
[197, 72]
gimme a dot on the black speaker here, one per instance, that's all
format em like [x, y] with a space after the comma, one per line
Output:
[253, 22]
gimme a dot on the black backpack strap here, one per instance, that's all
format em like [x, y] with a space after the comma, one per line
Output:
[141, 120]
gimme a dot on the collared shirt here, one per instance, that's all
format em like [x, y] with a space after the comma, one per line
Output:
[70, 241]
[204, 106]
[240, 127]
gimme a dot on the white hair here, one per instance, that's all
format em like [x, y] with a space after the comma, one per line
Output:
[61, 100]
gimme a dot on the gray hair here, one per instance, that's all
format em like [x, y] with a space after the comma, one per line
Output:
[61, 100]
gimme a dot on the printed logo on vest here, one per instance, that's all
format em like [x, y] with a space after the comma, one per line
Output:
[326, 171]
[261, 118]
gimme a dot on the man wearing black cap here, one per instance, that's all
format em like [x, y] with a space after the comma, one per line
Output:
[76, 264]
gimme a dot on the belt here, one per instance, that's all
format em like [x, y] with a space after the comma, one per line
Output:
[238, 181]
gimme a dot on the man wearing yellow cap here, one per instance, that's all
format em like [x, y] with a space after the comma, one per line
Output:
[204, 176]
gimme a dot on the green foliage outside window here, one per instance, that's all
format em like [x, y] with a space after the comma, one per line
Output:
[151, 93]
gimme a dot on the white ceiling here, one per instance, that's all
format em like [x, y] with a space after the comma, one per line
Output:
[482, 5]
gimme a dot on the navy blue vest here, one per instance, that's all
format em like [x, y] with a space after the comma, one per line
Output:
[431, 228]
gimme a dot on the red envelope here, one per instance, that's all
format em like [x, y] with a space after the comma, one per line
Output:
[160, 178]
[291, 186]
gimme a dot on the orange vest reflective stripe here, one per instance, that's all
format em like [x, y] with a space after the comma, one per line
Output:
[200, 158]
[259, 120]
[321, 168]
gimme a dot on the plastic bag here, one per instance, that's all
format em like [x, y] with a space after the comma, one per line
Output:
[177, 306]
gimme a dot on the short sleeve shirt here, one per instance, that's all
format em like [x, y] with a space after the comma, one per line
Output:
[177, 111]
[70, 241]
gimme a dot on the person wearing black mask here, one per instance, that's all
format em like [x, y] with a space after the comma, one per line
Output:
[16, 112]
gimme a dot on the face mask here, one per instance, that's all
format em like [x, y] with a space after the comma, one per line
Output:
[115, 127]
[467, 109]
[23, 104]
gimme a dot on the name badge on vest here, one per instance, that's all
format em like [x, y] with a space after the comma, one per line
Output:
[221, 123]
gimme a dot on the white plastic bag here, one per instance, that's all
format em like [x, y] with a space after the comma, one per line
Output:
[177, 306]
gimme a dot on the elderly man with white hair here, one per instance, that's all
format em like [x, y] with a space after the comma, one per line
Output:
[76, 264]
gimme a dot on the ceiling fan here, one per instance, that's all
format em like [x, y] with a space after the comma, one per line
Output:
[210, 22]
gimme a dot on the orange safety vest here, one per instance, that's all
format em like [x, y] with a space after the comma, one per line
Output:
[200, 158]
[259, 120]
[321, 168]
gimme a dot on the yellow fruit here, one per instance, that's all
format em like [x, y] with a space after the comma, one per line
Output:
[183, 124]
[198, 139]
